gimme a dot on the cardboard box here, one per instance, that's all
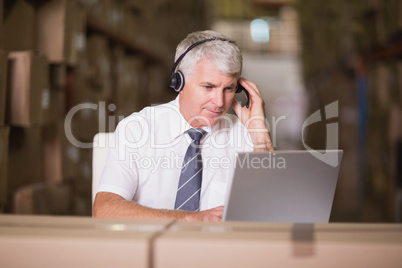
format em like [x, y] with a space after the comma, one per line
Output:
[93, 73]
[24, 160]
[28, 88]
[3, 85]
[60, 222]
[58, 77]
[4, 135]
[91, 93]
[156, 85]
[44, 198]
[83, 123]
[69, 247]
[19, 25]
[1, 26]
[57, 107]
[129, 78]
[61, 30]
[94, 9]
[99, 62]
[57, 94]
[77, 169]
[52, 137]
[245, 226]
[301, 245]
[106, 242]
[77, 161]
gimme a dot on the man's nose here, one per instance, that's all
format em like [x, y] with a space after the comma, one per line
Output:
[218, 98]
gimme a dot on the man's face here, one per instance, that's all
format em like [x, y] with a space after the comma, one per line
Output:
[207, 95]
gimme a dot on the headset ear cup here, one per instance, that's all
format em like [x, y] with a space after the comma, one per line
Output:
[173, 81]
[177, 81]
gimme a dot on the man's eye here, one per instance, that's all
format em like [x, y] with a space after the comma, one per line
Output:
[208, 87]
[230, 89]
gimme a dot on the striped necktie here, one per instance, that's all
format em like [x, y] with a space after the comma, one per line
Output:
[188, 191]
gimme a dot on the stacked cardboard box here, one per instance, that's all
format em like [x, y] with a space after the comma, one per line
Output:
[157, 88]
[92, 242]
[100, 65]
[4, 134]
[77, 170]
[241, 244]
[31, 104]
[4, 130]
[1, 25]
[61, 180]
[61, 29]
[73, 79]
[43, 198]
[383, 134]
[29, 88]
[115, 16]
[234, 9]
[219, 244]
[89, 114]
[112, 17]
[53, 129]
[92, 91]
[3, 85]
[129, 76]
[19, 25]
[27, 109]
[52, 134]
[25, 160]
[366, 188]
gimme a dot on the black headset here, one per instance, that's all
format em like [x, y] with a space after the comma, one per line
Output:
[177, 77]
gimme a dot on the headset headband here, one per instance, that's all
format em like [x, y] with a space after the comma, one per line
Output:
[193, 46]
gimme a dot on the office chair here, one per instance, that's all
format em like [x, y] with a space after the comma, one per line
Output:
[101, 143]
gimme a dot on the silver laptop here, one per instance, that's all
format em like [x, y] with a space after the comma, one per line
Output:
[283, 186]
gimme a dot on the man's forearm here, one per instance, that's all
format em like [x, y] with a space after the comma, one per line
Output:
[110, 205]
[261, 139]
[262, 142]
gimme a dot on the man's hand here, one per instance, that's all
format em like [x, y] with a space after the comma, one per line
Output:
[253, 118]
[213, 214]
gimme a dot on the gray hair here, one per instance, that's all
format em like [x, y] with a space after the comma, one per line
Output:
[225, 54]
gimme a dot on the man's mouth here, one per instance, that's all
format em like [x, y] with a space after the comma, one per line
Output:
[217, 113]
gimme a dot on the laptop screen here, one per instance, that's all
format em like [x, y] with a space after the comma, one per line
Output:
[283, 186]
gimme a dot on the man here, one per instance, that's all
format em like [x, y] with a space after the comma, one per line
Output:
[148, 171]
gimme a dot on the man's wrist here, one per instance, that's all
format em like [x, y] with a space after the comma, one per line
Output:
[262, 142]
[263, 147]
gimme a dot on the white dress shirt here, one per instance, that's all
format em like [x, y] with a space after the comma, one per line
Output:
[145, 162]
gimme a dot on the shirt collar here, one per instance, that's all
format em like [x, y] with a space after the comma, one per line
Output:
[184, 125]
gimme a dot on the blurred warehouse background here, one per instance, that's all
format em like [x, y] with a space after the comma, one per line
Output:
[72, 68]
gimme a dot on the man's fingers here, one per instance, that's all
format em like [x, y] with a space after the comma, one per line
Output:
[236, 106]
[214, 214]
[215, 218]
[251, 87]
